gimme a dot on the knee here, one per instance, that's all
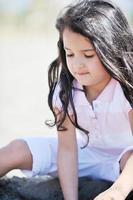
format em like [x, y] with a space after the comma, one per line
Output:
[20, 154]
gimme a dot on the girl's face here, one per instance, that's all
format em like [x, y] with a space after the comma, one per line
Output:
[82, 60]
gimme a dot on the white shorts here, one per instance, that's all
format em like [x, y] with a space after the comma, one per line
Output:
[92, 162]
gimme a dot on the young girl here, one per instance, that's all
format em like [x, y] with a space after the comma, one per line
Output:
[91, 89]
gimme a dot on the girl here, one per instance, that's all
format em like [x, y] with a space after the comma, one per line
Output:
[91, 89]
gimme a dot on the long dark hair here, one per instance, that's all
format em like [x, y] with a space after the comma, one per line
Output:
[107, 28]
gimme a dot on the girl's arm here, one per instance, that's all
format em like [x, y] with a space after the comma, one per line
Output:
[67, 161]
[125, 180]
[124, 184]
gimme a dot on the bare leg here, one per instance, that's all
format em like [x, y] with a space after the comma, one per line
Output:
[16, 155]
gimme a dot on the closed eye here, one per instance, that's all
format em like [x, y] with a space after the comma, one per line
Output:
[69, 55]
[86, 56]
[89, 56]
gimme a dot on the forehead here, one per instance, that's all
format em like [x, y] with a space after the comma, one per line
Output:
[75, 40]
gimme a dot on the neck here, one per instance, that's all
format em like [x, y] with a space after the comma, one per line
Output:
[92, 92]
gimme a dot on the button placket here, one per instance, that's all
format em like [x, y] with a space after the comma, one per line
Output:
[94, 127]
[92, 113]
[95, 136]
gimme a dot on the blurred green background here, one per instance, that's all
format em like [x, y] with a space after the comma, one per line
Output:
[38, 15]
[28, 15]
[27, 45]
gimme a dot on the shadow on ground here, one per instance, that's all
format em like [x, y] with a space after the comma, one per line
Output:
[47, 188]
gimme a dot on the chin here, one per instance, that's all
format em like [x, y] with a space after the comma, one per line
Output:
[85, 83]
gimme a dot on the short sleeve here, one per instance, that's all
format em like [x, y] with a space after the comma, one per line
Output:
[56, 99]
[125, 104]
[57, 102]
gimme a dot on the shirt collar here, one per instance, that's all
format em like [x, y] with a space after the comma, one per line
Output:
[105, 96]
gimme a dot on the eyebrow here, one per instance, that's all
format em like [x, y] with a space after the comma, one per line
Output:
[84, 50]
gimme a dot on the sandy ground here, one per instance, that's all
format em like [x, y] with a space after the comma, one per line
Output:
[24, 60]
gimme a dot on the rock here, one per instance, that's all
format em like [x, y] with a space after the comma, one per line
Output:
[47, 188]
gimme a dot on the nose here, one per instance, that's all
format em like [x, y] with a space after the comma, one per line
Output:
[78, 64]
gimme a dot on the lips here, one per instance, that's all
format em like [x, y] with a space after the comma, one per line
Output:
[83, 73]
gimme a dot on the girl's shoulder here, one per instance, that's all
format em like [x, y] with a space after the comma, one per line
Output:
[121, 98]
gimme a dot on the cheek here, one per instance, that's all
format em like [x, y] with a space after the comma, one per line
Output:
[97, 67]
[69, 65]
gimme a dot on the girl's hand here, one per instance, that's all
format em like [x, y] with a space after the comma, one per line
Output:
[111, 194]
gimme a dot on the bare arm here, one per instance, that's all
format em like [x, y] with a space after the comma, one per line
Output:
[125, 180]
[67, 161]
[124, 184]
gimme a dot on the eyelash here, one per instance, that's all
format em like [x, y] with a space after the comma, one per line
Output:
[71, 55]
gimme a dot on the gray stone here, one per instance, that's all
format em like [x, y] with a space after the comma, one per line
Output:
[47, 188]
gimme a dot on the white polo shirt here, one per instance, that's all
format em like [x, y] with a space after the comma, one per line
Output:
[107, 120]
